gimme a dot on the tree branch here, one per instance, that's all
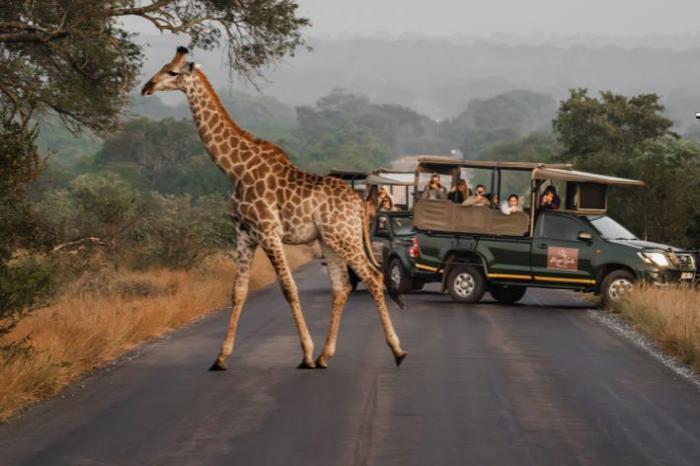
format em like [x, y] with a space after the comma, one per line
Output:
[138, 11]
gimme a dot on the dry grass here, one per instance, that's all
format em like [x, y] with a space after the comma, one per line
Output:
[85, 329]
[671, 316]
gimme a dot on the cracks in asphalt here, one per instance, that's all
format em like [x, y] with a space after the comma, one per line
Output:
[623, 328]
[364, 436]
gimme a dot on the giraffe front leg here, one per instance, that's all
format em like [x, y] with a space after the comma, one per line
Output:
[272, 245]
[340, 284]
[245, 251]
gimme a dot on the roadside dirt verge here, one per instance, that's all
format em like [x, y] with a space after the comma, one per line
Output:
[88, 327]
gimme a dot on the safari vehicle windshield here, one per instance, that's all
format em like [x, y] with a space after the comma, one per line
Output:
[402, 226]
[609, 228]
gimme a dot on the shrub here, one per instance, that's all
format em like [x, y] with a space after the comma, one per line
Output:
[24, 284]
[180, 232]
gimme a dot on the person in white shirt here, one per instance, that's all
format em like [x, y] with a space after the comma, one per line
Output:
[512, 205]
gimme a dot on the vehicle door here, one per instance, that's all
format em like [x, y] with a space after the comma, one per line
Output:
[381, 237]
[559, 256]
[506, 258]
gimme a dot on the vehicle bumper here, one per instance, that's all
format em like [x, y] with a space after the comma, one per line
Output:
[669, 277]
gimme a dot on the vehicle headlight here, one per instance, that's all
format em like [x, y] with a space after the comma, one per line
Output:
[659, 259]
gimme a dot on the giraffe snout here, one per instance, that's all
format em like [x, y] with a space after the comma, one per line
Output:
[147, 88]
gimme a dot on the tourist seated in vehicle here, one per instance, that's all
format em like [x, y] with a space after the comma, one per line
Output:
[512, 205]
[478, 199]
[386, 204]
[435, 189]
[382, 194]
[550, 199]
[495, 204]
[459, 193]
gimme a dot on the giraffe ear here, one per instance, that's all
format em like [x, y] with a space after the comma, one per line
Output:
[179, 58]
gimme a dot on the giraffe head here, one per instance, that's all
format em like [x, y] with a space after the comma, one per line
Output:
[175, 75]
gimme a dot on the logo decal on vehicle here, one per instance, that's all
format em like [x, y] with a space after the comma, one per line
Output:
[562, 258]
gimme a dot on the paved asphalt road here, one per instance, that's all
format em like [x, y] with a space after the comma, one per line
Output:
[540, 383]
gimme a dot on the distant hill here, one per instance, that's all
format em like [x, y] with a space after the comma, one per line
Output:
[440, 77]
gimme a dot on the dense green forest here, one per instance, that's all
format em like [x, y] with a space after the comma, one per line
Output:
[157, 149]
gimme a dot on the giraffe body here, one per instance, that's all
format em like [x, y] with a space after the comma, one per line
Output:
[275, 203]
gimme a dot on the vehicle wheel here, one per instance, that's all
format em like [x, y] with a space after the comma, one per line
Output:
[396, 277]
[507, 294]
[466, 284]
[616, 285]
[354, 279]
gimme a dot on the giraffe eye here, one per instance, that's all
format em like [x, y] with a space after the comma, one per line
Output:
[172, 73]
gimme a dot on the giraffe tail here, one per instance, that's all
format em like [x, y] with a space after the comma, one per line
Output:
[393, 294]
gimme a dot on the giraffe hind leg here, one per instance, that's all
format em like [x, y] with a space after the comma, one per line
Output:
[373, 279]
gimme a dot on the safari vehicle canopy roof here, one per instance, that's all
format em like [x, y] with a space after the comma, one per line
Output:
[382, 177]
[444, 164]
[540, 171]
[580, 177]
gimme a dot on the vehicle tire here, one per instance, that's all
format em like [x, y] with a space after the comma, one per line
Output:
[466, 284]
[354, 279]
[615, 286]
[396, 277]
[507, 294]
[417, 285]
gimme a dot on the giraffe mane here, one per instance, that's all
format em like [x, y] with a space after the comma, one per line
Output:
[228, 120]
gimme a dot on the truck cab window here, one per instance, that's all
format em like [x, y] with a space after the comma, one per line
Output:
[382, 228]
[558, 227]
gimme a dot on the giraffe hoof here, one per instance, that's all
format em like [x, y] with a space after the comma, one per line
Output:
[321, 363]
[400, 357]
[217, 366]
[306, 365]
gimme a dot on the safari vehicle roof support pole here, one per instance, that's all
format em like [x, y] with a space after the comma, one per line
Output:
[534, 189]
[498, 190]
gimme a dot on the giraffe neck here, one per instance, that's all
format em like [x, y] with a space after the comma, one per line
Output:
[227, 144]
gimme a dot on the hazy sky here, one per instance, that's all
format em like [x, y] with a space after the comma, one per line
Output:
[485, 17]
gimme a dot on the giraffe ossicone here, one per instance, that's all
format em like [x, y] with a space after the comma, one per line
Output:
[275, 203]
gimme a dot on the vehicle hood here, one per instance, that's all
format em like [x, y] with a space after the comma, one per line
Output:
[641, 244]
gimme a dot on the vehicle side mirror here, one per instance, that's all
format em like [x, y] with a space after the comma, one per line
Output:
[585, 236]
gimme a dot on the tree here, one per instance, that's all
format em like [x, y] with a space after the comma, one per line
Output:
[76, 58]
[110, 206]
[665, 208]
[630, 137]
[19, 164]
[586, 125]
[22, 283]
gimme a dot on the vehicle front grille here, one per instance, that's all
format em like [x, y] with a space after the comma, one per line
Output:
[686, 261]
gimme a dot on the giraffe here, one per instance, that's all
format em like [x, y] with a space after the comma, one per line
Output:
[275, 203]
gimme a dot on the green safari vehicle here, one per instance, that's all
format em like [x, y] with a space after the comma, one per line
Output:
[472, 250]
